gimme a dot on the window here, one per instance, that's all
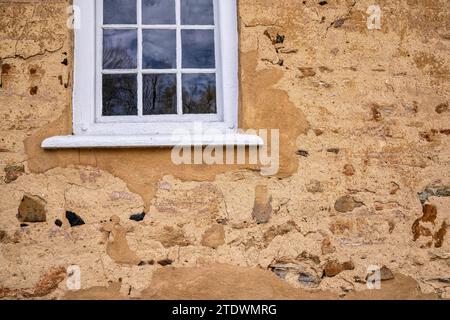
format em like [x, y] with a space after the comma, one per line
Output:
[144, 68]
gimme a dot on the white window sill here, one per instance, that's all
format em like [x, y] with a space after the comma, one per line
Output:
[148, 141]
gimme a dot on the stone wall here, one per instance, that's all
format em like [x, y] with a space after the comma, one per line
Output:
[364, 122]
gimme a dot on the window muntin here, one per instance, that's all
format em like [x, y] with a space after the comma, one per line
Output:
[160, 61]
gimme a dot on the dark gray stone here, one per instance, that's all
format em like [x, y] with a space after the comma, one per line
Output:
[138, 217]
[74, 219]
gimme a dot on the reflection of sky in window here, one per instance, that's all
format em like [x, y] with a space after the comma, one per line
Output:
[159, 49]
[119, 94]
[198, 48]
[199, 93]
[160, 94]
[119, 49]
[119, 12]
[158, 11]
[197, 12]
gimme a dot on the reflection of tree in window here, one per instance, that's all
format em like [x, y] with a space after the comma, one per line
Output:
[119, 49]
[199, 94]
[119, 95]
[117, 58]
[159, 93]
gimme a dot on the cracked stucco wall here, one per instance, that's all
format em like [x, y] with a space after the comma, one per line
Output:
[365, 159]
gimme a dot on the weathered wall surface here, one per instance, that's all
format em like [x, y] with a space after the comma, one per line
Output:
[364, 120]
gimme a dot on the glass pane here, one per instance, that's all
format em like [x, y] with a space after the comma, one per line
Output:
[199, 93]
[197, 12]
[159, 49]
[119, 49]
[160, 94]
[119, 95]
[158, 12]
[119, 12]
[198, 48]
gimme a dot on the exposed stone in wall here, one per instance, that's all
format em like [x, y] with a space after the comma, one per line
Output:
[170, 236]
[214, 237]
[13, 172]
[74, 219]
[346, 204]
[432, 225]
[32, 209]
[46, 285]
[327, 247]
[333, 267]
[262, 208]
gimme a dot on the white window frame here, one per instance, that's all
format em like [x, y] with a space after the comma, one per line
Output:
[91, 130]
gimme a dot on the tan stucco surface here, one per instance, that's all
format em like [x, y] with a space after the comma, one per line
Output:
[364, 124]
